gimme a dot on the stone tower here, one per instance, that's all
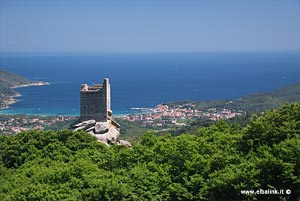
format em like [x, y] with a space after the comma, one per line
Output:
[95, 102]
[96, 115]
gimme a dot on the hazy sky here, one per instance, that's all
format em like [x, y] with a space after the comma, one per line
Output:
[149, 25]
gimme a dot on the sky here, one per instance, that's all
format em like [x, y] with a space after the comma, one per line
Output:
[130, 26]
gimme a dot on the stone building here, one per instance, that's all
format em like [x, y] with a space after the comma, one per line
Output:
[95, 102]
[96, 115]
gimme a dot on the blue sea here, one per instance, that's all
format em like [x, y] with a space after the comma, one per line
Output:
[145, 80]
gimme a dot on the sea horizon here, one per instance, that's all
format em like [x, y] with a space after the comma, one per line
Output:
[145, 80]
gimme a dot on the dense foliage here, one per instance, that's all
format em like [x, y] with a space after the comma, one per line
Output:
[215, 163]
[130, 129]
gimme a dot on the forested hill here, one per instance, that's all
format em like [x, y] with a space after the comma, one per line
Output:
[259, 102]
[222, 162]
[9, 81]
[256, 102]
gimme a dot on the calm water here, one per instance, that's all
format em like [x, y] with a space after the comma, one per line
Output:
[145, 80]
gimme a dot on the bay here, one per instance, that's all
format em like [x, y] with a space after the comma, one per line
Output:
[145, 80]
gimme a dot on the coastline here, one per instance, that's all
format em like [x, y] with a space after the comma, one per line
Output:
[33, 84]
[11, 99]
[248, 102]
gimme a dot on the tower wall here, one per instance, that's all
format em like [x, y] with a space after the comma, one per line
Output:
[95, 101]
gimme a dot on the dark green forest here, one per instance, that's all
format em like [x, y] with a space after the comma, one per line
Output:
[219, 162]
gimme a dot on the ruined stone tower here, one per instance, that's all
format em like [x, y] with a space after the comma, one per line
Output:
[95, 102]
[96, 115]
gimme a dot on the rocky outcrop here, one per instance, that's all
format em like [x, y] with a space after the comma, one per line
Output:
[124, 142]
[96, 115]
[107, 132]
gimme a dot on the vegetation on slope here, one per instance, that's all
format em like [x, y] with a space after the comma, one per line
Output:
[12, 79]
[214, 163]
[256, 102]
[259, 102]
[7, 81]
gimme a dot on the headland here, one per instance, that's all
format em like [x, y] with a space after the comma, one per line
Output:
[9, 82]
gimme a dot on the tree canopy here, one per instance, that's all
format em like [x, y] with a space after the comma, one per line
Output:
[220, 162]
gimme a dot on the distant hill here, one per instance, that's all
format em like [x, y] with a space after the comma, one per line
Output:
[256, 102]
[259, 102]
[249, 104]
[9, 81]
[12, 79]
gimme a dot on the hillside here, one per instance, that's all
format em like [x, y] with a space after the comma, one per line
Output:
[244, 106]
[259, 161]
[255, 102]
[9, 81]
[12, 79]
[259, 102]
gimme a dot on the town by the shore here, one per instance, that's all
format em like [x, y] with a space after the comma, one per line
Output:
[159, 117]
[178, 114]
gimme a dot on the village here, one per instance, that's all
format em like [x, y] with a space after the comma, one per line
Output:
[178, 115]
[13, 124]
[161, 116]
